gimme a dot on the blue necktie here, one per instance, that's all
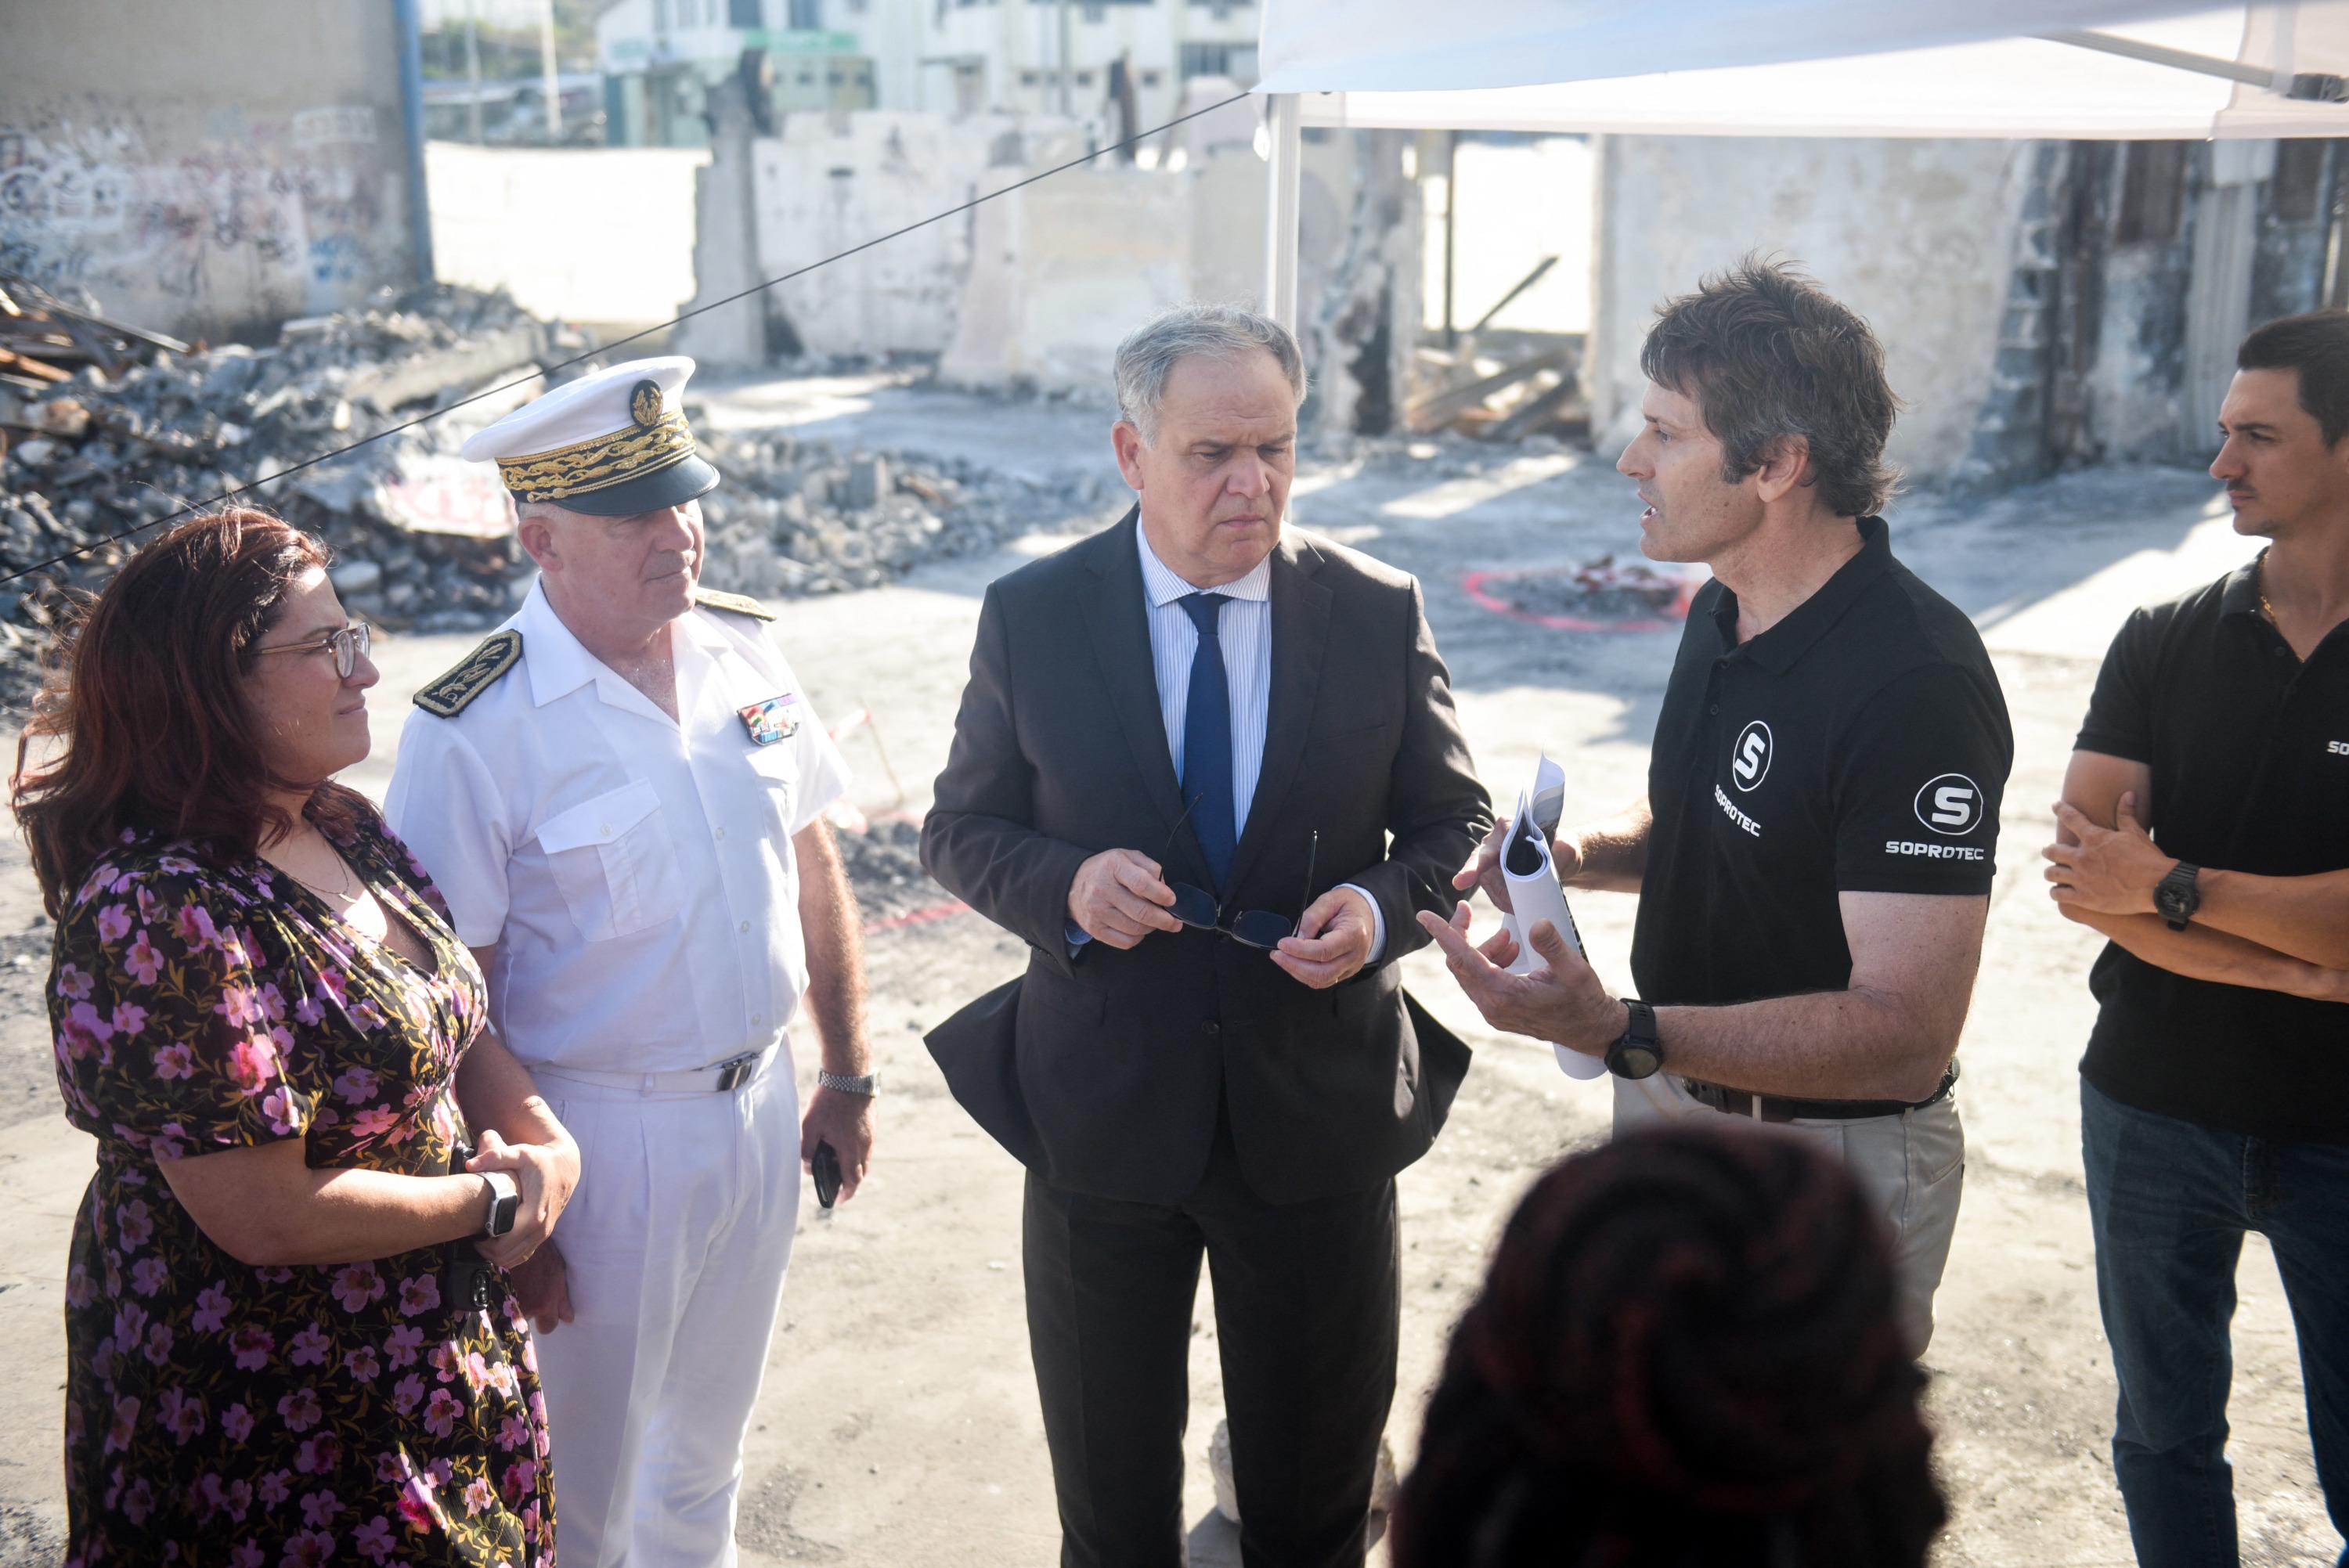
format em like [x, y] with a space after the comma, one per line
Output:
[1207, 741]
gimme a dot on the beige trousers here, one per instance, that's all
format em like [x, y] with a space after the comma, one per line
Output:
[1911, 1166]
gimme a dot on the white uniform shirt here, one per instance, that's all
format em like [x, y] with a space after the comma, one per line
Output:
[634, 872]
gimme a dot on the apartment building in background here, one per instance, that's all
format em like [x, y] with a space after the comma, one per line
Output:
[1121, 64]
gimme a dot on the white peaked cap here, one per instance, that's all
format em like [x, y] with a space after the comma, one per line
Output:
[612, 444]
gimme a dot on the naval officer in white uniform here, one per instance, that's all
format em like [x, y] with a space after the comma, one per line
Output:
[620, 793]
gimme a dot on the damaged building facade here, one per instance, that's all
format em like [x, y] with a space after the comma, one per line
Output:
[205, 179]
[2043, 305]
[1031, 291]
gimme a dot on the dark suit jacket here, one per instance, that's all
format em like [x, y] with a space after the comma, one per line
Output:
[1103, 1074]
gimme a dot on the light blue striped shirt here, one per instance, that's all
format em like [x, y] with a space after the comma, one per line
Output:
[1245, 629]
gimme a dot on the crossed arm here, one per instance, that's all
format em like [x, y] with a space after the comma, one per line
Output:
[2273, 933]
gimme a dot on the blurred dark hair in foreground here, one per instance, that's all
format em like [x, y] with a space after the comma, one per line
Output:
[1684, 1354]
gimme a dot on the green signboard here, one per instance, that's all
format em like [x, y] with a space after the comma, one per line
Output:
[799, 41]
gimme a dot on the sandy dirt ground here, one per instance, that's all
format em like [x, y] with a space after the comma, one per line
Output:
[898, 1422]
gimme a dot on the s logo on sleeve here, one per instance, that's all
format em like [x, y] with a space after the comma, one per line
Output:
[1950, 804]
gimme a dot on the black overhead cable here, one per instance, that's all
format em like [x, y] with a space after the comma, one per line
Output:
[602, 349]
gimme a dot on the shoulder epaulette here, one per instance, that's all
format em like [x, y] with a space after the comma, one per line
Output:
[448, 694]
[738, 603]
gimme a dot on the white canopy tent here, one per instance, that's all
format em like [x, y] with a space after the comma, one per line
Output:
[2083, 69]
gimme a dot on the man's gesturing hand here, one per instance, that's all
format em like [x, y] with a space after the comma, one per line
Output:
[1332, 941]
[1485, 870]
[1119, 898]
[1563, 1003]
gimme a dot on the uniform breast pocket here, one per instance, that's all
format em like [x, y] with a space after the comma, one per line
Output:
[778, 771]
[610, 857]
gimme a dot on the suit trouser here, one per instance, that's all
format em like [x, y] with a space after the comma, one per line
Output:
[1911, 1166]
[1306, 1308]
[676, 1241]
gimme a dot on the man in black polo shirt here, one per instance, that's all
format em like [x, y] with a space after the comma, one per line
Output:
[2215, 1092]
[1815, 853]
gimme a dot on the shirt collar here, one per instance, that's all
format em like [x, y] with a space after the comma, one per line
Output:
[2241, 596]
[558, 663]
[1163, 587]
[1778, 649]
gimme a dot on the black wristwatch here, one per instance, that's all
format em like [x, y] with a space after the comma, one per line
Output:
[505, 1205]
[1636, 1053]
[2174, 896]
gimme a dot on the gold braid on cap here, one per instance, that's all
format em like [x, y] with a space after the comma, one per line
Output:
[600, 463]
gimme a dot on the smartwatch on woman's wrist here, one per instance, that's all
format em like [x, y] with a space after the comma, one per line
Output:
[504, 1207]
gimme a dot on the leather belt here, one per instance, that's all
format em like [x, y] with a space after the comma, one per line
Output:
[1772, 1107]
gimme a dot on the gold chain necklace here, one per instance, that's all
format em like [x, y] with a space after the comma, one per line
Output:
[2259, 582]
[343, 890]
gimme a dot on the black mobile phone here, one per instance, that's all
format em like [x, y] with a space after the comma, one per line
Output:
[825, 1166]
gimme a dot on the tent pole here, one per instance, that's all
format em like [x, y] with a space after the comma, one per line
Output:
[1450, 229]
[1286, 141]
[2156, 54]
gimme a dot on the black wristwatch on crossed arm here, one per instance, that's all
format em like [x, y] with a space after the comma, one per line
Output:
[2174, 898]
[1637, 1053]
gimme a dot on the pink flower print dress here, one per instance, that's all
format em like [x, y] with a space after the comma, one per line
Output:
[375, 1412]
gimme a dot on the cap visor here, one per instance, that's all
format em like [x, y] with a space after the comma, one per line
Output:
[675, 485]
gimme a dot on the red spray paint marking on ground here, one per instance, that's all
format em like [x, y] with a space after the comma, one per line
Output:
[1477, 585]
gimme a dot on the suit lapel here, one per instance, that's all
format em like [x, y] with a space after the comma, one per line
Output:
[1300, 628]
[1115, 616]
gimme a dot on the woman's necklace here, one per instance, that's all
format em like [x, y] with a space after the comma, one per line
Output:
[345, 886]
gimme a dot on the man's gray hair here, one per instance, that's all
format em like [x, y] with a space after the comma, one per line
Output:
[1149, 354]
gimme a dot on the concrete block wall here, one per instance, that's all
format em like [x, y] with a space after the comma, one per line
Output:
[1919, 237]
[204, 171]
[832, 182]
[600, 235]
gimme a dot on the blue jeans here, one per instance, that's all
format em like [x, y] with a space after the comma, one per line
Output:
[2169, 1203]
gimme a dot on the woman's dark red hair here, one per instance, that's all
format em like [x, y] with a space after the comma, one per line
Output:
[142, 724]
[1685, 1354]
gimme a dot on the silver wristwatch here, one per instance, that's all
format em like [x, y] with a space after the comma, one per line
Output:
[868, 1086]
[504, 1205]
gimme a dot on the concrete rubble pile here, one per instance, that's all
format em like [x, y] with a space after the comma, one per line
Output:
[798, 516]
[421, 537]
[99, 454]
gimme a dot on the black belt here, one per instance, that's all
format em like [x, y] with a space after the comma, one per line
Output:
[1738, 1102]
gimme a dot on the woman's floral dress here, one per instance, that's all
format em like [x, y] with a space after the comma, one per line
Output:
[376, 1412]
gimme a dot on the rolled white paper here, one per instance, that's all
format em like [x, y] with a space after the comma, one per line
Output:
[1536, 895]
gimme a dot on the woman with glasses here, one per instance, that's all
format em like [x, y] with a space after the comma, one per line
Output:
[288, 1333]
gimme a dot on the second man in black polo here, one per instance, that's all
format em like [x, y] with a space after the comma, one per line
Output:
[1815, 850]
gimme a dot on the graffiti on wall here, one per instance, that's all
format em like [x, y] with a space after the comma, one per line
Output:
[260, 216]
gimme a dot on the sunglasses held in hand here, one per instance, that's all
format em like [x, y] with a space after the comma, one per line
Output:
[1259, 928]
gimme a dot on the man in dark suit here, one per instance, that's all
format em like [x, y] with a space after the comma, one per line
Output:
[1209, 773]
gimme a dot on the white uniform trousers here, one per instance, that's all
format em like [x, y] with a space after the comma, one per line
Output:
[676, 1241]
[1911, 1167]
